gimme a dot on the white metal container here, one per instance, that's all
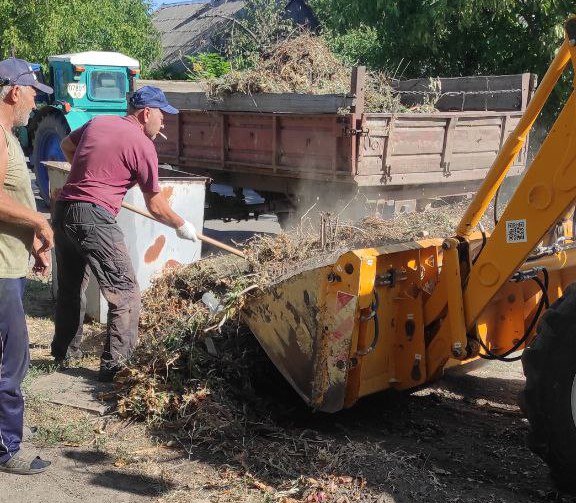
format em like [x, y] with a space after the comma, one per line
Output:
[152, 246]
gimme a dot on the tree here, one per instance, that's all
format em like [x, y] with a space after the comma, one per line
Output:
[36, 29]
[446, 37]
[259, 27]
[206, 65]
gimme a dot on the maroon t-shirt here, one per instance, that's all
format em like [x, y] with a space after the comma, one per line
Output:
[112, 155]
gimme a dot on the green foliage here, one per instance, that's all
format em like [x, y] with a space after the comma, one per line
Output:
[36, 29]
[261, 26]
[166, 72]
[206, 65]
[448, 38]
[428, 38]
[357, 46]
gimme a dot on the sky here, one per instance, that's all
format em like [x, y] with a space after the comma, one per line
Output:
[158, 3]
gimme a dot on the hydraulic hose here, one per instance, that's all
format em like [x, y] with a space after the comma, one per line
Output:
[544, 302]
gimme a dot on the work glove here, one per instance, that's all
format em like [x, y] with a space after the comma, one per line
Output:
[187, 231]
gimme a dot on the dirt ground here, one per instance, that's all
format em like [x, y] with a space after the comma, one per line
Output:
[460, 439]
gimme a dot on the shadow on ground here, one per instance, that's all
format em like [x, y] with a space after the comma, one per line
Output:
[119, 480]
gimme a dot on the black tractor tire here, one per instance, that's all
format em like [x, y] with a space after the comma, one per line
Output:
[549, 397]
[51, 129]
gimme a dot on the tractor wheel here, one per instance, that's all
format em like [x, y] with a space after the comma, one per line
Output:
[549, 398]
[47, 137]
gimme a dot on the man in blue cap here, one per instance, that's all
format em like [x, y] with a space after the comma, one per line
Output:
[23, 231]
[109, 155]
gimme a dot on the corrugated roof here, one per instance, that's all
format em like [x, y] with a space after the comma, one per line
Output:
[186, 28]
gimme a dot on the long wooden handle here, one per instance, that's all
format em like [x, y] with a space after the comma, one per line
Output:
[201, 236]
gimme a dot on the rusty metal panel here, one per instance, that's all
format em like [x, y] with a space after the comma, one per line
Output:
[310, 144]
[249, 139]
[432, 148]
[300, 146]
[391, 150]
[169, 149]
[201, 135]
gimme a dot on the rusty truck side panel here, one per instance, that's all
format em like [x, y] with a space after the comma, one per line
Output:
[392, 150]
[297, 146]
[281, 145]
[444, 147]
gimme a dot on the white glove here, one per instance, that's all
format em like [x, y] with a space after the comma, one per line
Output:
[187, 231]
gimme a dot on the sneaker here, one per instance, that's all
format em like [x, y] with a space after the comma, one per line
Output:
[24, 462]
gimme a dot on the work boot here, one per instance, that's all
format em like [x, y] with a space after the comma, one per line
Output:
[108, 372]
[72, 358]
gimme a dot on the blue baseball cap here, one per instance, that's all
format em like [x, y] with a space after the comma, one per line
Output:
[151, 97]
[17, 72]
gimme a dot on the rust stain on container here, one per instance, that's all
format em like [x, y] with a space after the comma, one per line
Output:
[153, 252]
[167, 193]
[171, 264]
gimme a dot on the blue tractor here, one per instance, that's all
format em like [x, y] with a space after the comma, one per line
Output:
[85, 84]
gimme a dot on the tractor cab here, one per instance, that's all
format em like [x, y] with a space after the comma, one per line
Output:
[93, 82]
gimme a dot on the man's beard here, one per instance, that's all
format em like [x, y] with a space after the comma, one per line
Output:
[21, 116]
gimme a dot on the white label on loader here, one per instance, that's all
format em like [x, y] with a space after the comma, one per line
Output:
[76, 91]
[516, 231]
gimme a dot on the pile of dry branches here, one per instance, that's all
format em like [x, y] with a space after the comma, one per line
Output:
[191, 333]
[297, 65]
[305, 64]
[199, 372]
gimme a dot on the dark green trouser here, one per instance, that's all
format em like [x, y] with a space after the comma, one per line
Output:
[87, 237]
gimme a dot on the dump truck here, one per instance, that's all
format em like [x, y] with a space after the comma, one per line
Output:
[296, 151]
[86, 84]
[396, 316]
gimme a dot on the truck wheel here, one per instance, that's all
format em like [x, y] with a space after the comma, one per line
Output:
[48, 135]
[549, 398]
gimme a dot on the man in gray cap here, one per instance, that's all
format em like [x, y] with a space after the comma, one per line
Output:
[23, 231]
[109, 155]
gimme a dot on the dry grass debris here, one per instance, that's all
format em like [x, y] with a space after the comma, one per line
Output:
[305, 64]
[199, 373]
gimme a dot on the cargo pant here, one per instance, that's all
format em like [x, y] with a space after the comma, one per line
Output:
[87, 237]
[14, 360]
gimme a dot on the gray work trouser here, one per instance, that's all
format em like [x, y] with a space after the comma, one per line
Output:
[87, 237]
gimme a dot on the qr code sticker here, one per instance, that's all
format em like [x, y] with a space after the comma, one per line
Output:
[516, 231]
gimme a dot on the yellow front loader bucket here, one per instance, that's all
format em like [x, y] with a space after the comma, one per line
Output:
[330, 329]
[389, 317]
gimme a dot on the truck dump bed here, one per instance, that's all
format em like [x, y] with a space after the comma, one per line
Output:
[284, 143]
